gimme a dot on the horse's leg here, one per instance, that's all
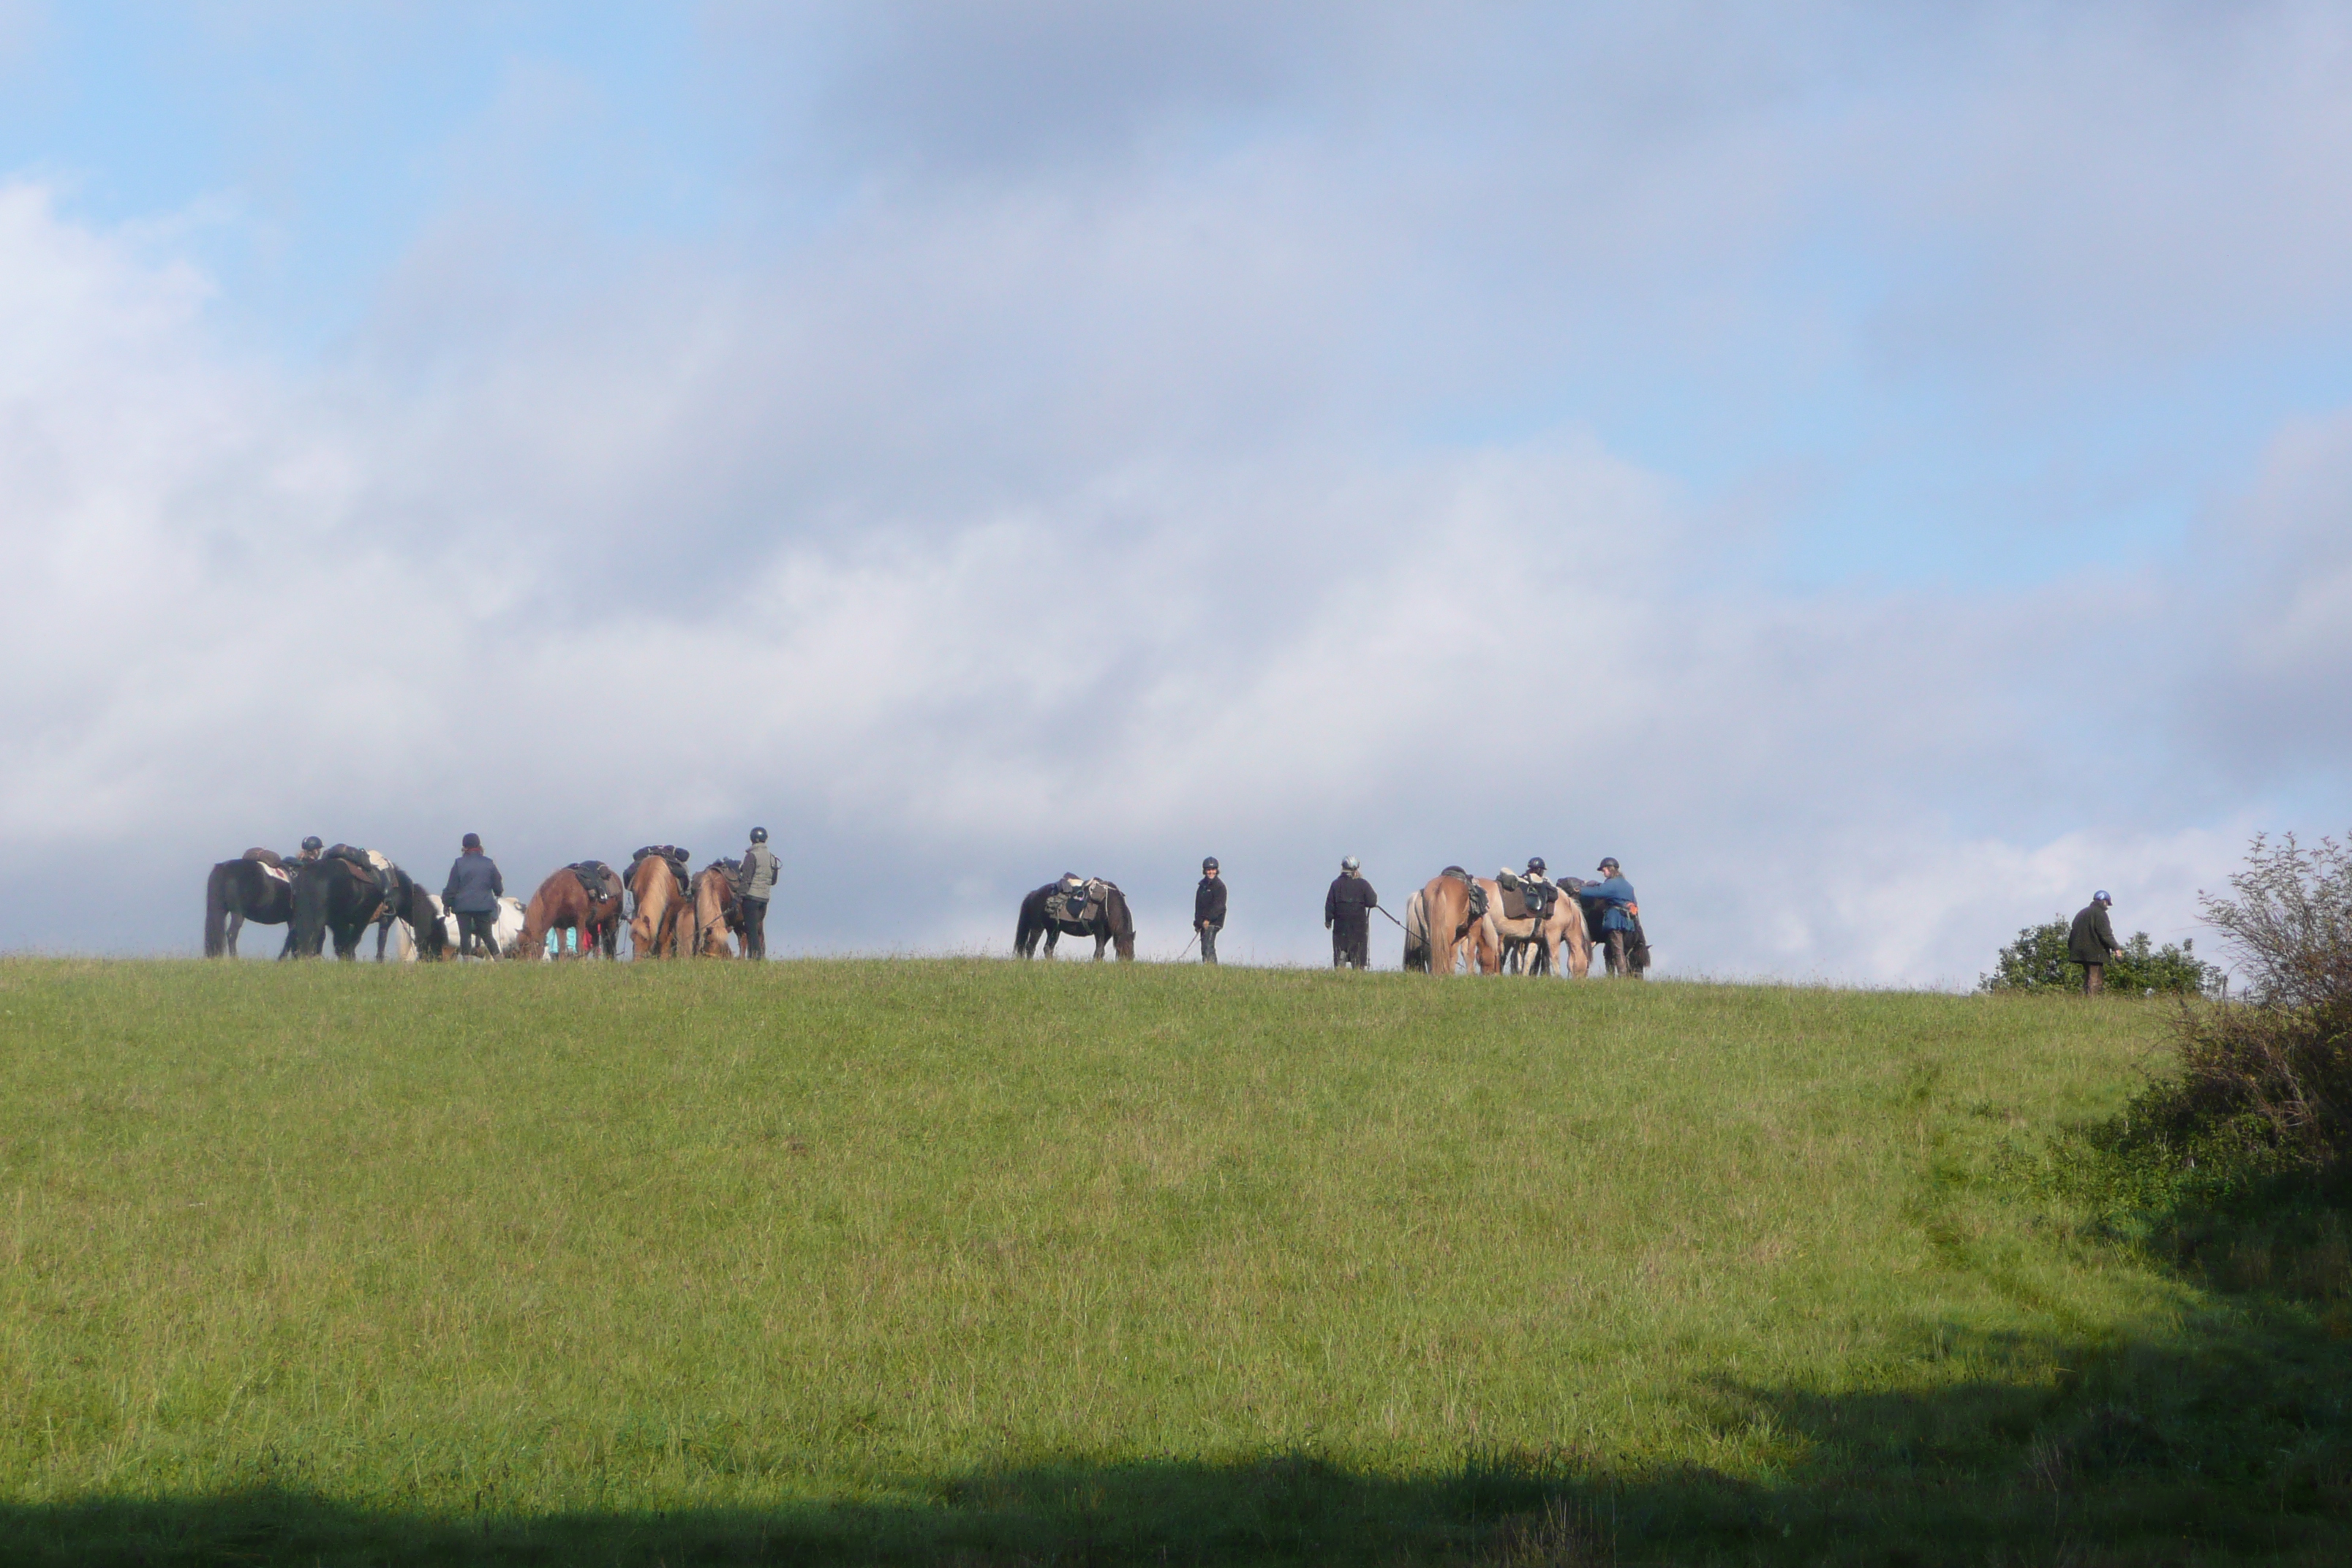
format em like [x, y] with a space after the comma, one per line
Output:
[235, 924]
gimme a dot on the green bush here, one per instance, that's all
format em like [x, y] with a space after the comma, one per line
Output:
[2037, 961]
[2261, 1107]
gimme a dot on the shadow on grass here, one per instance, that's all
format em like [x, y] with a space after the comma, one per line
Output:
[2233, 1444]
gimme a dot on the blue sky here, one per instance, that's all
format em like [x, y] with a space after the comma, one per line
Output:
[1886, 396]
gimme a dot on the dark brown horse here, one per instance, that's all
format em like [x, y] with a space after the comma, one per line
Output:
[254, 887]
[565, 902]
[338, 896]
[1103, 916]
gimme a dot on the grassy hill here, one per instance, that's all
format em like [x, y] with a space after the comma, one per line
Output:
[971, 1261]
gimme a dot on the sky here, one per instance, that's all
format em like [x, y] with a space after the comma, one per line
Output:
[1879, 472]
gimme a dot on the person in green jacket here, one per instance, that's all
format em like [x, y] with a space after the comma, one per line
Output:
[2091, 943]
[761, 869]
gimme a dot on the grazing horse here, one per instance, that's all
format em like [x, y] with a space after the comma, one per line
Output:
[717, 910]
[439, 930]
[331, 895]
[1539, 945]
[1105, 919]
[253, 887]
[1445, 921]
[565, 902]
[661, 908]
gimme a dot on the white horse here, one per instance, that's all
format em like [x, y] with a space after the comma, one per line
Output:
[505, 930]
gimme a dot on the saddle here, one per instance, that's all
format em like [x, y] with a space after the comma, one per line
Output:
[1077, 905]
[372, 867]
[1523, 897]
[1478, 893]
[597, 880]
[677, 858]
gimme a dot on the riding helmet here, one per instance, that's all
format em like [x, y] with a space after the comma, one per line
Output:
[1610, 864]
[1351, 864]
[313, 842]
[759, 835]
[1209, 865]
[1536, 865]
[471, 841]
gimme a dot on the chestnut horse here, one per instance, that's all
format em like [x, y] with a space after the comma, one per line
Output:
[1560, 934]
[717, 910]
[662, 911]
[1446, 921]
[564, 903]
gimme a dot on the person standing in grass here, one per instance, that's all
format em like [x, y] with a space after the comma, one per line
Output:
[761, 869]
[472, 894]
[1209, 909]
[1619, 912]
[2091, 943]
[1348, 913]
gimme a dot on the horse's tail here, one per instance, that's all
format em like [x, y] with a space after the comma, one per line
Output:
[216, 909]
[1121, 921]
[1416, 933]
[533, 944]
[1025, 926]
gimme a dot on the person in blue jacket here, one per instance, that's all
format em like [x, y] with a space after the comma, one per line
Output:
[1620, 916]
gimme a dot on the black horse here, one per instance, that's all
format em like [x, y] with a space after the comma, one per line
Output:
[244, 890]
[334, 894]
[1637, 941]
[1106, 920]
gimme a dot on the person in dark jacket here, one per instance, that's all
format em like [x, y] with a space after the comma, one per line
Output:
[2091, 943]
[761, 867]
[1348, 913]
[1209, 909]
[472, 894]
[1618, 913]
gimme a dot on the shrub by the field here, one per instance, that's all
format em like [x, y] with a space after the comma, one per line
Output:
[2262, 1105]
[2037, 961]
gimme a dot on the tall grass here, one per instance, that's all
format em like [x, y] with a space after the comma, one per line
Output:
[911, 1260]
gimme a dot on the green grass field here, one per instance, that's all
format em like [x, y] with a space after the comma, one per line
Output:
[978, 1262]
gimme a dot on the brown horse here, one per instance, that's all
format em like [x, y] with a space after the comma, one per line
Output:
[662, 911]
[717, 910]
[1560, 934]
[564, 903]
[1445, 921]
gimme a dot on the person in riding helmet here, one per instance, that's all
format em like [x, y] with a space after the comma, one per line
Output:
[1538, 891]
[1620, 916]
[1209, 909]
[760, 870]
[312, 847]
[1348, 914]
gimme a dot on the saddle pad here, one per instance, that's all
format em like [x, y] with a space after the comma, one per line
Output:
[276, 871]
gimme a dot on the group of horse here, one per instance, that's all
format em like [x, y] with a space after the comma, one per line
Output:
[669, 912]
[1488, 925]
[1455, 923]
